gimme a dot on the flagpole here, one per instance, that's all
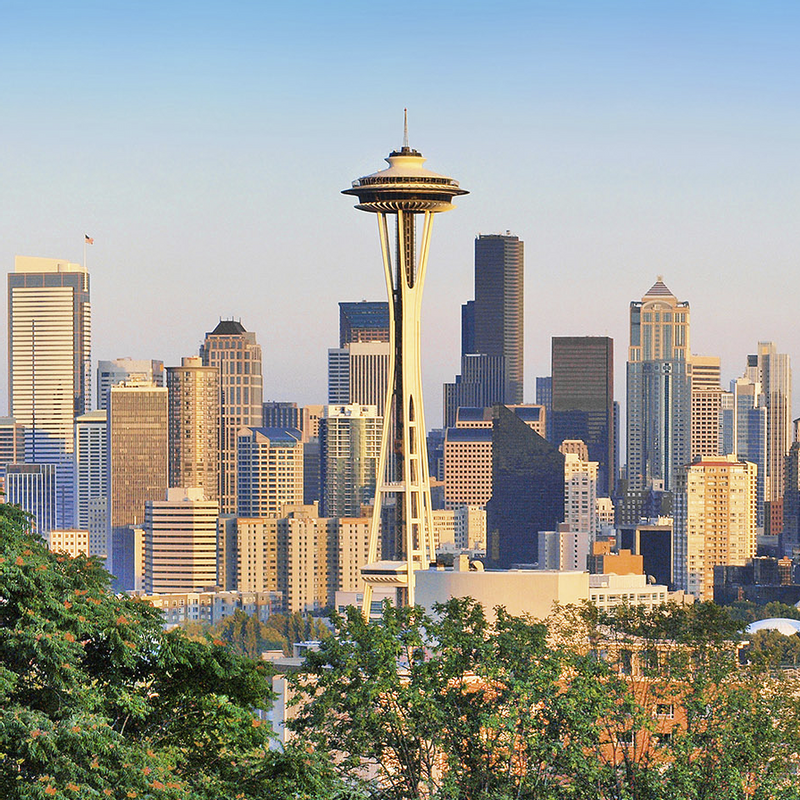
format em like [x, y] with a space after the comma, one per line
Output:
[84, 251]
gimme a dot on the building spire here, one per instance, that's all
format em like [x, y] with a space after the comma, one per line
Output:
[405, 129]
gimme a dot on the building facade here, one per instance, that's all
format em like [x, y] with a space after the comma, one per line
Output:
[34, 488]
[583, 400]
[715, 521]
[659, 390]
[49, 366]
[193, 395]
[237, 357]
[180, 542]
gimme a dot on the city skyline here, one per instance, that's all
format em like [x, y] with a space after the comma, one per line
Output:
[618, 142]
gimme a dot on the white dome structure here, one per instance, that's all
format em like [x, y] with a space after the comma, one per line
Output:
[787, 627]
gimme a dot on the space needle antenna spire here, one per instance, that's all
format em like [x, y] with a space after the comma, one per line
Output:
[405, 191]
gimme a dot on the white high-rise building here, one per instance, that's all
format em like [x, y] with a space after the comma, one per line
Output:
[49, 325]
[125, 370]
[359, 373]
[269, 470]
[580, 488]
[350, 442]
[91, 478]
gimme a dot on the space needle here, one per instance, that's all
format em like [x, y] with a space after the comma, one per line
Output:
[405, 190]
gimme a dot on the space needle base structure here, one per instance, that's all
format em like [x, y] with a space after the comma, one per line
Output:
[405, 190]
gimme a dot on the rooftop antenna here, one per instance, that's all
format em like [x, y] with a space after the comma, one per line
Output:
[405, 129]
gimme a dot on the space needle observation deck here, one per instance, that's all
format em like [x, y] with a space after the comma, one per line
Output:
[406, 189]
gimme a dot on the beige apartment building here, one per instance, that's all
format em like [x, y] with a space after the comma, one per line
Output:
[468, 453]
[180, 542]
[269, 471]
[715, 521]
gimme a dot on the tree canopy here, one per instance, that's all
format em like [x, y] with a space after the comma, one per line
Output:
[638, 704]
[97, 701]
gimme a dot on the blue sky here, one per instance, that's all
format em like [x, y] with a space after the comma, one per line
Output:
[204, 147]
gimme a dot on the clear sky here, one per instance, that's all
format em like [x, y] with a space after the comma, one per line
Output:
[204, 147]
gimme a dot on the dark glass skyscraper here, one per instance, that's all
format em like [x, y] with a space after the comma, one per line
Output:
[363, 322]
[498, 316]
[491, 329]
[583, 399]
[527, 491]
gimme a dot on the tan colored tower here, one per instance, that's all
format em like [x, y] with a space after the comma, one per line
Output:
[715, 521]
[137, 459]
[706, 406]
[193, 391]
[775, 374]
[237, 356]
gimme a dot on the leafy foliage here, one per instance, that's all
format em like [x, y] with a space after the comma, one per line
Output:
[96, 701]
[250, 637]
[638, 704]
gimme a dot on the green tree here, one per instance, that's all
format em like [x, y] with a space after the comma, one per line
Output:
[455, 706]
[97, 701]
[733, 730]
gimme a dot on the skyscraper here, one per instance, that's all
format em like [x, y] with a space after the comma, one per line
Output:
[363, 322]
[269, 470]
[49, 345]
[706, 407]
[750, 433]
[499, 306]
[481, 384]
[583, 400]
[137, 460]
[91, 478]
[775, 375]
[715, 521]
[193, 391]
[358, 373]
[403, 191]
[527, 491]
[237, 356]
[491, 329]
[659, 389]
[350, 445]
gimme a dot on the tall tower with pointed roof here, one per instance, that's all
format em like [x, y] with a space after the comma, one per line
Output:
[237, 356]
[659, 389]
[404, 191]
